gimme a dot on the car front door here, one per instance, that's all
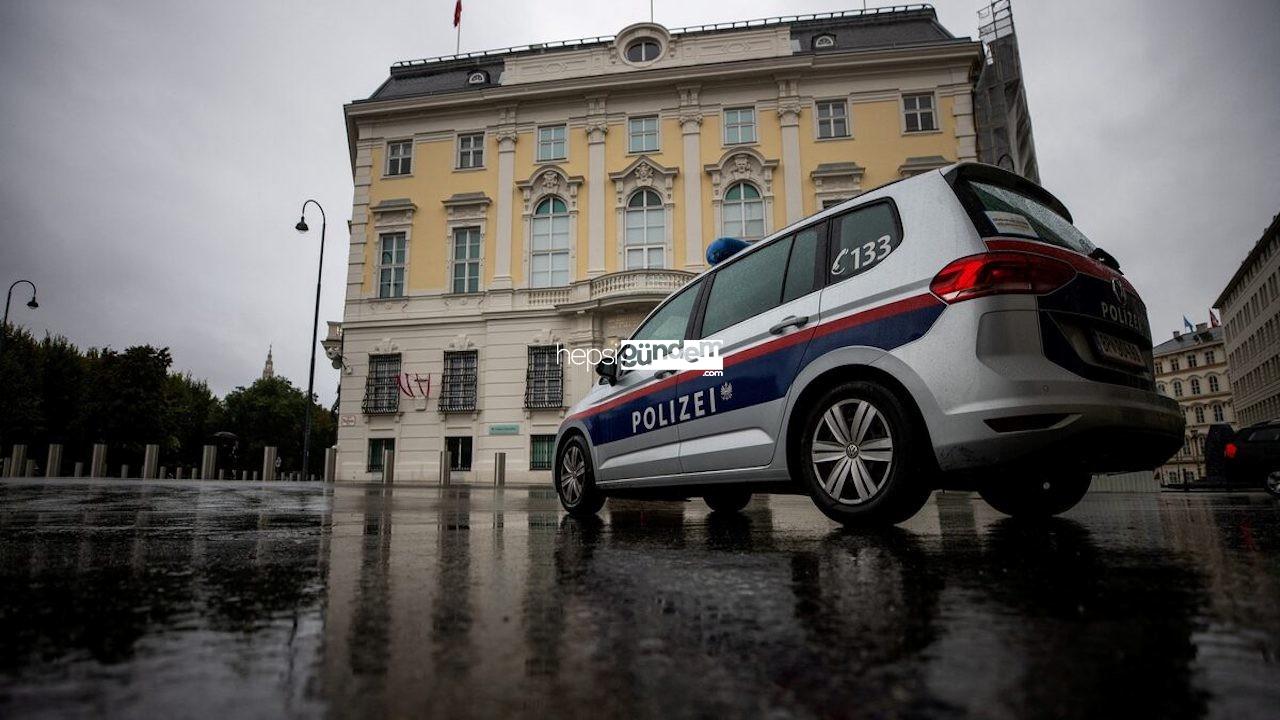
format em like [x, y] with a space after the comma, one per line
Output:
[763, 307]
[631, 425]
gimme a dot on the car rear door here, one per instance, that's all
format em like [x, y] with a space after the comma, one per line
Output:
[762, 306]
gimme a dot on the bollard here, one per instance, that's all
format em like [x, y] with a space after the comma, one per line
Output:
[53, 463]
[4, 467]
[388, 467]
[330, 464]
[98, 462]
[446, 461]
[222, 474]
[18, 461]
[499, 469]
[180, 473]
[208, 462]
[124, 472]
[268, 463]
[150, 462]
[79, 471]
[163, 472]
[255, 476]
[31, 468]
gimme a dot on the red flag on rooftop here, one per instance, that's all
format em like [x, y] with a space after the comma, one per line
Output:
[1213, 319]
[457, 14]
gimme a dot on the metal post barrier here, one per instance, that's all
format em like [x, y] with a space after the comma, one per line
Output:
[222, 474]
[98, 461]
[330, 464]
[31, 468]
[446, 461]
[499, 469]
[209, 462]
[255, 476]
[4, 467]
[18, 461]
[269, 463]
[124, 472]
[79, 471]
[388, 467]
[163, 472]
[150, 462]
[179, 473]
[53, 463]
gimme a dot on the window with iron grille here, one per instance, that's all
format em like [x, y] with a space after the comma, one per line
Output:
[376, 448]
[458, 386]
[381, 394]
[541, 450]
[544, 384]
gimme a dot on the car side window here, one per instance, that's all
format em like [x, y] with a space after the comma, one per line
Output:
[746, 287]
[801, 278]
[862, 239]
[671, 320]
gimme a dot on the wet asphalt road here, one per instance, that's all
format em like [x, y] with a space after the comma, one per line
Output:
[165, 600]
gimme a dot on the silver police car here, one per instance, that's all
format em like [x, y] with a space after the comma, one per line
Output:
[952, 330]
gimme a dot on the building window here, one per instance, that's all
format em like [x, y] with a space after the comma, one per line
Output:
[743, 211]
[479, 77]
[391, 265]
[1159, 367]
[1173, 364]
[470, 151]
[377, 446]
[551, 143]
[1217, 414]
[1195, 386]
[1191, 361]
[459, 448]
[833, 119]
[466, 260]
[643, 50]
[1199, 414]
[739, 126]
[822, 42]
[917, 111]
[542, 449]
[381, 394]
[549, 259]
[399, 157]
[544, 381]
[1177, 388]
[1213, 383]
[1208, 357]
[642, 134]
[458, 384]
[646, 230]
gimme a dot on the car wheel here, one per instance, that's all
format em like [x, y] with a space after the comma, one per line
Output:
[727, 501]
[1036, 494]
[860, 456]
[575, 481]
[1273, 483]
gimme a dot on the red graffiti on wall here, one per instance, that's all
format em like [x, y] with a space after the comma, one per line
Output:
[406, 383]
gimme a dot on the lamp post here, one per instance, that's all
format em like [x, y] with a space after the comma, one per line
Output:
[8, 298]
[311, 377]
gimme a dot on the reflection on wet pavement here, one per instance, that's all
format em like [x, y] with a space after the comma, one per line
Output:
[216, 599]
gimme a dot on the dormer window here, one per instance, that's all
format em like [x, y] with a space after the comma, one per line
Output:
[823, 42]
[643, 50]
[479, 77]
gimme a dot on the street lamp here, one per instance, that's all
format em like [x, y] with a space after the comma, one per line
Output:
[8, 298]
[311, 378]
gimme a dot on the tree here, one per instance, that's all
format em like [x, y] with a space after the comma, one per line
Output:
[269, 412]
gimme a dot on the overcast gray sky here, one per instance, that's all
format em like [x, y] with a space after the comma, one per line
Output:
[155, 154]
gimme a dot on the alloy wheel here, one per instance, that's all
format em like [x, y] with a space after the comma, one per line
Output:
[573, 469]
[852, 451]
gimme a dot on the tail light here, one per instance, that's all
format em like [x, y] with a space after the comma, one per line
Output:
[1000, 273]
[1230, 451]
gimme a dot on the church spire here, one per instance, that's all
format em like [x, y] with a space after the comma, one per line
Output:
[268, 370]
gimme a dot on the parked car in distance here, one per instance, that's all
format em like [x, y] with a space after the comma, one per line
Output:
[1253, 457]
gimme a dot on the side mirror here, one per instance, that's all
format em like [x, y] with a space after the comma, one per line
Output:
[607, 368]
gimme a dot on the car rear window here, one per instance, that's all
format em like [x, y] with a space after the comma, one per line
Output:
[1264, 435]
[1008, 212]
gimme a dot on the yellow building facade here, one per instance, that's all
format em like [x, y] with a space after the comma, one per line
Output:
[549, 196]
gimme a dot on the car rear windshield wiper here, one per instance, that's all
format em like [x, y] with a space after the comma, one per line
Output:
[1105, 258]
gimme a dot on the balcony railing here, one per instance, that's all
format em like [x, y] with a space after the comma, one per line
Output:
[614, 287]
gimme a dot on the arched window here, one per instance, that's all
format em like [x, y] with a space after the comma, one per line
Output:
[646, 230]
[1213, 383]
[1217, 414]
[743, 211]
[1195, 386]
[549, 259]
[1177, 388]
[643, 50]
[1199, 413]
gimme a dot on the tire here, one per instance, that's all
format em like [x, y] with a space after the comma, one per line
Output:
[1036, 494]
[1272, 483]
[727, 501]
[860, 456]
[575, 480]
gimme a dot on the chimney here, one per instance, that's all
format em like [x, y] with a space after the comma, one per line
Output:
[1201, 327]
[1177, 334]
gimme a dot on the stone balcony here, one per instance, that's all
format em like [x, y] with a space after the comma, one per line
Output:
[629, 287]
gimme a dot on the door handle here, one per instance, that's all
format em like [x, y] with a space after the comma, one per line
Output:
[664, 373]
[789, 321]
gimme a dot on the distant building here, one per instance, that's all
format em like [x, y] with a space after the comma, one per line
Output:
[269, 369]
[1192, 369]
[1250, 307]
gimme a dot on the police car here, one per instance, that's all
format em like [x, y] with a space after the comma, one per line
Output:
[951, 330]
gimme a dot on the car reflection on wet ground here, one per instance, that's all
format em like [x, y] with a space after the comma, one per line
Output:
[234, 599]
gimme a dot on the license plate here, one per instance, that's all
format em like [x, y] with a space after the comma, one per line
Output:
[1121, 351]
